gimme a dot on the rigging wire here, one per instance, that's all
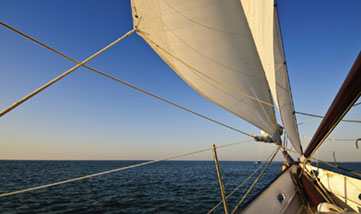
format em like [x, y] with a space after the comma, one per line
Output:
[114, 170]
[124, 83]
[318, 116]
[334, 139]
[329, 164]
[19, 102]
[357, 104]
[237, 188]
[338, 167]
[333, 150]
[255, 182]
[309, 121]
[321, 188]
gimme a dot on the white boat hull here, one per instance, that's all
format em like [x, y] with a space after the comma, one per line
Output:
[282, 187]
[346, 190]
[281, 195]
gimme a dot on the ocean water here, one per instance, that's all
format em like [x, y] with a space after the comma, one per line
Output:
[164, 187]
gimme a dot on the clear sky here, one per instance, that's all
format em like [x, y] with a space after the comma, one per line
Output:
[87, 116]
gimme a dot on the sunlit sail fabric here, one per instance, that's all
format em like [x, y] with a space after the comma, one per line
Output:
[208, 43]
[259, 14]
[284, 96]
[263, 22]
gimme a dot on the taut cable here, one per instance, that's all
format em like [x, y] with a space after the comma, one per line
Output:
[122, 82]
[113, 170]
[244, 182]
[254, 183]
[17, 103]
[318, 116]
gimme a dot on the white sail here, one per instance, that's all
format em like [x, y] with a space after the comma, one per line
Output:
[284, 96]
[213, 50]
[263, 22]
[259, 14]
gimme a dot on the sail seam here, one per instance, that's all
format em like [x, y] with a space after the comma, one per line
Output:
[200, 24]
[208, 58]
[203, 74]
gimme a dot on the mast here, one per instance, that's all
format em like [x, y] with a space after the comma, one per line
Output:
[348, 94]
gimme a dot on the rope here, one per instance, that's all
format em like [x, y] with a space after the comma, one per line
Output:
[308, 121]
[313, 115]
[17, 103]
[337, 167]
[176, 105]
[237, 188]
[203, 74]
[114, 170]
[127, 84]
[329, 164]
[322, 190]
[254, 183]
[122, 82]
[333, 146]
[357, 104]
[334, 139]
[42, 44]
[333, 150]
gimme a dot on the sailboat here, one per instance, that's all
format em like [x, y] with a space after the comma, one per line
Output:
[231, 53]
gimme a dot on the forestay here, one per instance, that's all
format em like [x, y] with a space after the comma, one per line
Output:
[209, 44]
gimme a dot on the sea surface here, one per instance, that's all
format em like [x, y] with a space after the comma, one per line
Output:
[164, 187]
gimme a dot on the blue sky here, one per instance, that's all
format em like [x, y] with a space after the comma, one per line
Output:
[87, 116]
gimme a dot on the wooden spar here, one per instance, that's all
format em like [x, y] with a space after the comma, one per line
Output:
[220, 179]
[309, 188]
[312, 193]
[287, 156]
[347, 95]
